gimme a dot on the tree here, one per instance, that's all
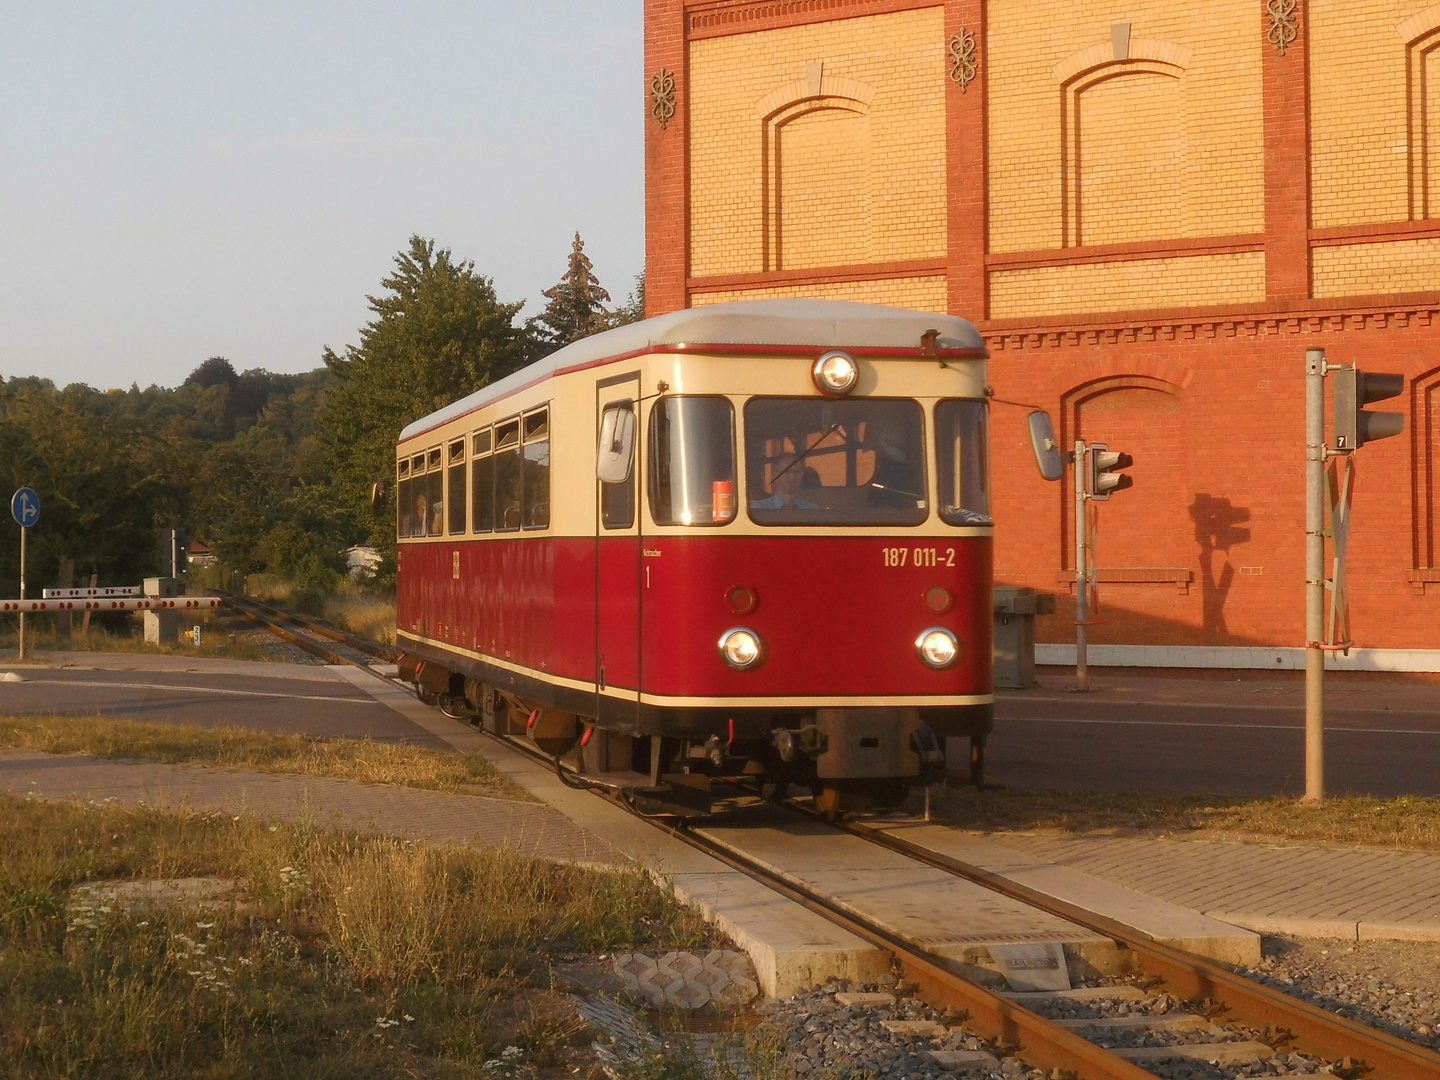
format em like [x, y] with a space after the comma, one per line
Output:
[633, 309]
[577, 304]
[214, 372]
[439, 333]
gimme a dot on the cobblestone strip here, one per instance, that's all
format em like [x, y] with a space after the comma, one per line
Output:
[1326, 885]
[373, 808]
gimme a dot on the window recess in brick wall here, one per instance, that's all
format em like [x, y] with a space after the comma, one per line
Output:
[1425, 479]
[1178, 576]
[1421, 35]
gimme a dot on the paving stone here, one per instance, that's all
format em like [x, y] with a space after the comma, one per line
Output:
[683, 980]
[913, 1027]
[962, 1059]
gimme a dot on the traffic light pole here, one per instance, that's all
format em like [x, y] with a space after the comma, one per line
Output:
[1314, 575]
[1082, 608]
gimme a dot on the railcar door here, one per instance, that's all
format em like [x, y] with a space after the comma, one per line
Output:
[617, 553]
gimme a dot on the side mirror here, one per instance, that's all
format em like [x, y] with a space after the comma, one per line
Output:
[1047, 450]
[617, 445]
[379, 497]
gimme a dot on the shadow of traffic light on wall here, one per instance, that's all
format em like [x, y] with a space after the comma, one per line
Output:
[1217, 528]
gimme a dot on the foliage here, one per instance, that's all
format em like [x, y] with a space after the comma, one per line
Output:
[577, 304]
[439, 333]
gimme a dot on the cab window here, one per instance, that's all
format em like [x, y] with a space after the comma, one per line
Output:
[811, 461]
[961, 454]
[692, 461]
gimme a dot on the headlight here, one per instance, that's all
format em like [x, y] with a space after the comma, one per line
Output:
[742, 649]
[938, 647]
[835, 373]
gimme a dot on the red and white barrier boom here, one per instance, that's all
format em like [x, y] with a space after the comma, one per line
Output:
[129, 603]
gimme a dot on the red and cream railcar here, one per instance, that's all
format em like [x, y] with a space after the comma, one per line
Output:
[748, 539]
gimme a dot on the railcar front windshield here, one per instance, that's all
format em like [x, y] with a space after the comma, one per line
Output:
[811, 461]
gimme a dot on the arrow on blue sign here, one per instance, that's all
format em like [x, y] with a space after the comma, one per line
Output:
[25, 507]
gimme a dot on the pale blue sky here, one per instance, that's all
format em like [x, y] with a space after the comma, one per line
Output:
[182, 180]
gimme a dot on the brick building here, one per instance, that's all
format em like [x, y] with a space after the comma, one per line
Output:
[1151, 210]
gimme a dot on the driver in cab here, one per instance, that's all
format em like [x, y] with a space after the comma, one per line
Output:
[785, 482]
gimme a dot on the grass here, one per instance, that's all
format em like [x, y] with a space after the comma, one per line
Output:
[350, 956]
[369, 616]
[240, 748]
[1407, 822]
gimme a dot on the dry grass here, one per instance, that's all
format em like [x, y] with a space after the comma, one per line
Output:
[240, 748]
[215, 641]
[349, 957]
[368, 616]
[1408, 822]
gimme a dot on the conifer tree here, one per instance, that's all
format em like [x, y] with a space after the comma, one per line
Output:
[577, 304]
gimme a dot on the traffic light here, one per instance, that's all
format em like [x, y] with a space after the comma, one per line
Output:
[1354, 427]
[1104, 478]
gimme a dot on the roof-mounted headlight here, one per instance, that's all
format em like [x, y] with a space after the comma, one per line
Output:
[835, 373]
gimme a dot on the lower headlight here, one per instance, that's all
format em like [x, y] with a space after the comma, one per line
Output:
[938, 647]
[742, 649]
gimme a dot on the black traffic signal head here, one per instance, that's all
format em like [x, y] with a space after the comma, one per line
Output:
[1104, 477]
[1354, 427]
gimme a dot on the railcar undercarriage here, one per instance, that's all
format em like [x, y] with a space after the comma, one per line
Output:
[850, 760]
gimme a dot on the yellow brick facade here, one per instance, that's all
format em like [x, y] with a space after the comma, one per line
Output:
[858, 181]
[1201, 121]
[917, 293]
[1199, 281]
[1358, 112]
[1400, 266]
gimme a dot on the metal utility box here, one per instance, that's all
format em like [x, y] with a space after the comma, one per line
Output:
[1015, 611]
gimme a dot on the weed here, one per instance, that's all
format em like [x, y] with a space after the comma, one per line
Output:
[240, 748]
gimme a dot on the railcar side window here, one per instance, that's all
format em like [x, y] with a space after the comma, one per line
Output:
[456, 481]
[435, 481]
[617, 501]
[419, 496]
[961, 452]
[692, 461]
[860, 461]
[483, 481]
[535, 470]
[402, 497]
[507, 476]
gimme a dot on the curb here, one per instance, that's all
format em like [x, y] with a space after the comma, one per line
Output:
[1341, 929]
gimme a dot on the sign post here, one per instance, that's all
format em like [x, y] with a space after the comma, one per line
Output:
[25, 509]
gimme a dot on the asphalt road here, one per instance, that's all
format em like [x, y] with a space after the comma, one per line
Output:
[1215, 737]
[295, 699]
[1131, 734]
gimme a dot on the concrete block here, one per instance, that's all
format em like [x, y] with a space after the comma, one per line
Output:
[913, 1027]
[162, 627]
[962, 1059]
[846, 997]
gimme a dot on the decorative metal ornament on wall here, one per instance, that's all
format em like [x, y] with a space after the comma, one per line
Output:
[1283, 28]
[662, 96]
[964, 59]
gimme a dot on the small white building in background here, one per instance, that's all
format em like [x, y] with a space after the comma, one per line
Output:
[363, 561]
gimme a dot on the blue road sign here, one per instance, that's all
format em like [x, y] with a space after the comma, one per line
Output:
[25, 507]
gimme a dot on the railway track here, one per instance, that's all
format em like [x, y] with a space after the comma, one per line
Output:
[313, 636]
[1237, 1019]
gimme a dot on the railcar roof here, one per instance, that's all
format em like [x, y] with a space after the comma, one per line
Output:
[821, 323]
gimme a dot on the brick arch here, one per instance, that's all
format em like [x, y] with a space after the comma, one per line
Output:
[1425, 470]
[1080, 392]
[1091, 70]
[1157, 369]
[778, 110]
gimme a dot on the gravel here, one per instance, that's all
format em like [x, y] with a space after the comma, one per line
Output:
[1391, 985]
[824, 1038]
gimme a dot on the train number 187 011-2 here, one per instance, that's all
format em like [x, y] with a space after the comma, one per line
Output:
[920, 556]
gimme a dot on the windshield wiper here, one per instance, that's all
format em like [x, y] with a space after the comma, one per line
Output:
[807, 451]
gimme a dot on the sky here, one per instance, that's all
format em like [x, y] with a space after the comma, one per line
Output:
[186, 180]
